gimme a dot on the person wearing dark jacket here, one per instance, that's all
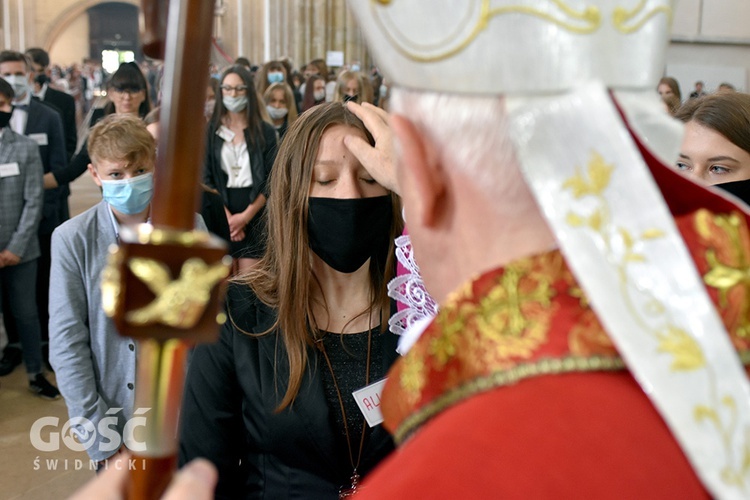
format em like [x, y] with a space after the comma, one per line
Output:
[240, 151]
[270, 404]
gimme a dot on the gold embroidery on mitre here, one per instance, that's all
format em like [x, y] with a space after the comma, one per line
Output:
[733, 270]
[622, 16]
[585, 21]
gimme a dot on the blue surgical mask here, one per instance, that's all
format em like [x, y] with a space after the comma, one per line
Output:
[235, 104]
[129, 196]
[275, 77]
[276, 113]
[383, 91]
[20, 84]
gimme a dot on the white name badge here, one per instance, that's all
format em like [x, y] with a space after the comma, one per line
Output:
[40, 139]
[9, 169]
[368, 400]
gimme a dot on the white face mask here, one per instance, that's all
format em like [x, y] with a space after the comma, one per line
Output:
[276, 113]
[319, 95]
[20, 84]
[235, 104]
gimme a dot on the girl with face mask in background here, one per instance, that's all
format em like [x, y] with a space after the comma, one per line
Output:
[271, 403]
[280, 107]
[353, 86]
[240, 152]
[270, 73]
[315, 92]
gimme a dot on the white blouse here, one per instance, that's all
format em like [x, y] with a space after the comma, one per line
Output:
[235, 160]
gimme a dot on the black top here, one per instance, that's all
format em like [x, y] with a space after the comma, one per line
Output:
[348, 356]
[232, 390]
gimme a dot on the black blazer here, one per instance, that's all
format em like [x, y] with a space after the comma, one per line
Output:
[228, 414]
[65, 105]
[44, 120]
[262, 156]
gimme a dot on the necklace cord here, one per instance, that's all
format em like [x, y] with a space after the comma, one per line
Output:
[341, 401]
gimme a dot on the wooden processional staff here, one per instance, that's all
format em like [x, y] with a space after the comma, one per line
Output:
[162, 284]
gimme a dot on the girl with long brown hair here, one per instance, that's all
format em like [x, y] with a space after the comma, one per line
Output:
[240, 151]
[271, 403]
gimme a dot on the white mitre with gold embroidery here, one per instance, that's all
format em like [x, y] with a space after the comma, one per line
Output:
[584, 154]
[537, 46]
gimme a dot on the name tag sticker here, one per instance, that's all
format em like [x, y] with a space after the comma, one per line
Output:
[9, 169]
[368, 400]
[41, 139]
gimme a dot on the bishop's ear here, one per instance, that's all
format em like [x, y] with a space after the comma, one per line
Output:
[421, 178]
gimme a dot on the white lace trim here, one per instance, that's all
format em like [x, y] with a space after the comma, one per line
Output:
[409, 290]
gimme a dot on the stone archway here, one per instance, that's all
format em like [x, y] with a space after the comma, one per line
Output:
[61, 22]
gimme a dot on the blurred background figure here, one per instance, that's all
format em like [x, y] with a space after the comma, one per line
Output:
[668, 87]
[698, 92]
[279, 101]
[353, 86]
[315, 92]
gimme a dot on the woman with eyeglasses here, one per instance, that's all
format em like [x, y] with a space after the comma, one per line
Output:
[240, 151]
[127, 92]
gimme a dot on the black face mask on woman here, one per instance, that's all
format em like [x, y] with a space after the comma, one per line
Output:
[347, 232]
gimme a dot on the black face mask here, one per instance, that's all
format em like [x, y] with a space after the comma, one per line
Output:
[5, 118]
[345, 233]
[348, 97]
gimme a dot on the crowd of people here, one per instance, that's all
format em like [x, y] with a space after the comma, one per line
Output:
[302, 179]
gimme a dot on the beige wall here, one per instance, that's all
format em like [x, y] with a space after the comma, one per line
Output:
[73, 44]
[46, 21]
[711, 42]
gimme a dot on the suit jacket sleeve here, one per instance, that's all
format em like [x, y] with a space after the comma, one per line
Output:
[269, 154]
[77, 166]
[33, 193]
[68, 115]
[56, 142]
[211, 415]
[69, 342]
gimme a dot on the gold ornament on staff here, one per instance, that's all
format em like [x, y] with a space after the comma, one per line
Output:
[162, 284]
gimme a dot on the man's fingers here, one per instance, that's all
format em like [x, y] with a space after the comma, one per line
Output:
[365, 153]
[108, 484]
[375, 119]
[196, 481]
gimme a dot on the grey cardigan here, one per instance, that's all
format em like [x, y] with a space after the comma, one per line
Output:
[94, 365]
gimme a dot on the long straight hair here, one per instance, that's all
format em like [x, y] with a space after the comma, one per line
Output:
[728, 113]
[252, 111]
[283, 279]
